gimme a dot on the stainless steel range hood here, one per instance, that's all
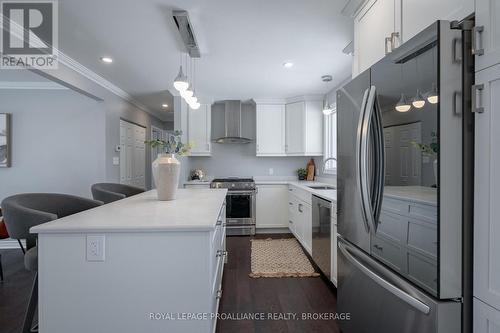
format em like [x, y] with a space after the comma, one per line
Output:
[232, 124]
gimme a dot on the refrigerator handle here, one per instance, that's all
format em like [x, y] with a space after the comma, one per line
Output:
[359, 158]
[380, 159]
[370, 203]
[401, 294]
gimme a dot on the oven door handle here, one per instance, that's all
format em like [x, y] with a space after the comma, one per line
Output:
[240, 192]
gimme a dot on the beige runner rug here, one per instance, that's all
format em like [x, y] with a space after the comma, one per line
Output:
[279, 258]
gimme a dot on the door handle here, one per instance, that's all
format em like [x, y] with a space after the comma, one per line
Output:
[477, 89]
[396, 291]
[477, 32]
[388, 45]
[394, 36]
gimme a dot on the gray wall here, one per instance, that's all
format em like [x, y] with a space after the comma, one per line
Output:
[239, 159]
[57, 142]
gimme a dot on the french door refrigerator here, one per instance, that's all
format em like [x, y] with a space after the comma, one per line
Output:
[403, 188]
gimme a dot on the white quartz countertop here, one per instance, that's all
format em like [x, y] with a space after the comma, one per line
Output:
[193, 210]
[426, 195]
[330, 195]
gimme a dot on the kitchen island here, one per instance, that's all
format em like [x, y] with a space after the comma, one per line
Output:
[135, 265]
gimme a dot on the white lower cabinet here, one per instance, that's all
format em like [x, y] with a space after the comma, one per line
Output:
[486, 318]
[300, 220]
[271, 206]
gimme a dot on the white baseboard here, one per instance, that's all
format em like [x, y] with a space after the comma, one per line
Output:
[272, 231]
[6, 244]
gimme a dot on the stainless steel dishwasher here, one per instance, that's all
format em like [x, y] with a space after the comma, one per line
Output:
[321, 234]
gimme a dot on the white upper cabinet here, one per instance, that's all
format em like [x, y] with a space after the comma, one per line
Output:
[199, 128]
[270, 130]
[487, 40]
[373, 26]
[416, 15]
[380, 26]
[304, 128]
[487, 188]
[292, 129]
[295, 119]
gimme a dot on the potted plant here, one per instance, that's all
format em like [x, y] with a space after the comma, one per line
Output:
[166, 167]
[302, 173]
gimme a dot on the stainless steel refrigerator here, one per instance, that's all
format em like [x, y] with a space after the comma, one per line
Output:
[404, 188]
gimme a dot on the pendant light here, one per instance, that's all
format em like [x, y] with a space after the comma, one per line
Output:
[193, 100]
[181, 80]
[432, 96]
[188, 92]
[418, 101]
[403, 105]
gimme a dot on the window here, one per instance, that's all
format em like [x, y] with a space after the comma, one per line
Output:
[330, 135]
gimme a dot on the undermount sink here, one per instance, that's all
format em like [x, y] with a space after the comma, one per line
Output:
[322, 187]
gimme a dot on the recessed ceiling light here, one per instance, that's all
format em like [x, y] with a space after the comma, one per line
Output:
[107, 60]
[164, 106]
[288, 64]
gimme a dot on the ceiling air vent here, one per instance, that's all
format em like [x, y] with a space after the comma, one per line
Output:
[181, 18]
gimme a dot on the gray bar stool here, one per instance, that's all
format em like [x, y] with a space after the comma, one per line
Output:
[23, 211]
[109, 192]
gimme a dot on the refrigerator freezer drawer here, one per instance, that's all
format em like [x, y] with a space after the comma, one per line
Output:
[380, 301]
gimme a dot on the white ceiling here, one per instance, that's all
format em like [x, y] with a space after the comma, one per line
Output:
[243, 45]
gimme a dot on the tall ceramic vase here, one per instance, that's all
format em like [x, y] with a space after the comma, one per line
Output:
[166, 171]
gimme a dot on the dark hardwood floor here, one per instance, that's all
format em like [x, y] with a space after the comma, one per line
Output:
[242, 294]
[14, 291]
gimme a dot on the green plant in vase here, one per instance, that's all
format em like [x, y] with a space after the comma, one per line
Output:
[302, 173]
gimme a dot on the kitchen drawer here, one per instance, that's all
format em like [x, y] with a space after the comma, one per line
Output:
[300, 193]
[392, 226]
[422, 211]
[395, 206]
[389, 252]
[422, 270]
[422, 236]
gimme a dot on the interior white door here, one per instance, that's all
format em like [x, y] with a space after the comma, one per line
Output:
[295, 127]
[487, 189]
[488, 16]
[132, 154]
[270, 123]
[416, 15]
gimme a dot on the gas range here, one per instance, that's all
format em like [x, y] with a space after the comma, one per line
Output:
[234, 184]
[240, 204]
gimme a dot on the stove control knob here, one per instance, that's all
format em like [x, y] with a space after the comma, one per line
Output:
[232, 185]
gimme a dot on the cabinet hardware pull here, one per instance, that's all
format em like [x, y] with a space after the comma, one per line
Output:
[394, 44]
[219, 294]
[477, 90]
[380, 248]
[219, 253]
[457, 99]
[387, 45]
[219, 222]
[289, 221]
[477, 39]
[300, 208]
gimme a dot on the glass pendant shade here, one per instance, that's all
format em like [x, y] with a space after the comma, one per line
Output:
[403, 105]
[432, 96]
[187, 93]
[195, 106]
[181, 81]
[418, 101]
